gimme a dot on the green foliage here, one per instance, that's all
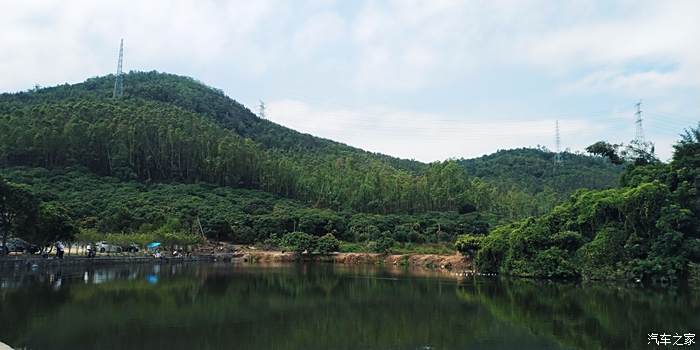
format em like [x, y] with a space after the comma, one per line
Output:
[424, 248]
[531, 181]
[647, 230]
[140, 239]
[223, 213]
[382, 245]
[172, 128]
[54, 224]
[327, 244]
[18, 211]
[299, 242]
[353, 247]
[636, 153]
[600, 256]
[607, 150]
[22, 214]
[469, 244]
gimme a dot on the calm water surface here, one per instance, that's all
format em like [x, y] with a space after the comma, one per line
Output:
[210, 306]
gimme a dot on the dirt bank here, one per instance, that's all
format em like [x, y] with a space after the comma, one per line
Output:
[446, 262]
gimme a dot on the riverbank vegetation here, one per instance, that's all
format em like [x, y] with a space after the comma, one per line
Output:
[645, 230]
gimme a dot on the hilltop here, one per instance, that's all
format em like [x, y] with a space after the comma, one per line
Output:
[196, 97]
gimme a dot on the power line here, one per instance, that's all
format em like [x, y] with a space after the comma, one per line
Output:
[118, 81]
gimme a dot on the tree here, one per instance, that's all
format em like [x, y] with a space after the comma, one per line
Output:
[607, 150]
[299, 242]
[640, 153]
[468, 244]
[18, 211]
[327, 244]
[53, 224]
[687, 150]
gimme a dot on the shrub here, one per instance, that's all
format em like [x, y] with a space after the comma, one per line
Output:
[327, 244]
[299, 242]
[382, 245]
[468, 244]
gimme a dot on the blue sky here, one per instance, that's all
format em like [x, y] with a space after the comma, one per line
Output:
[428, 80]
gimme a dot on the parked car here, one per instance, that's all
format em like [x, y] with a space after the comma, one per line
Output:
[131, 248]
[19, 245]
[104, 247]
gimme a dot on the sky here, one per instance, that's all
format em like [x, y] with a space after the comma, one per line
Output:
[427, 80]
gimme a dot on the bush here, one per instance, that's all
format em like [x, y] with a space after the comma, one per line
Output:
[599, 257]
[299, 242]
[382, 245]
[327, 244]
[468, 244]
[272, 242]
[555, 263]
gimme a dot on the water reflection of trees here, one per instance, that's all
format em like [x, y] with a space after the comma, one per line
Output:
[325, 307]
[588, 316]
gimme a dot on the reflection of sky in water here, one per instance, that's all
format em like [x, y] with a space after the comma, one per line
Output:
[102, 276]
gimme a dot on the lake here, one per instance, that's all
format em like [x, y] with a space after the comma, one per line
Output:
[323, 306]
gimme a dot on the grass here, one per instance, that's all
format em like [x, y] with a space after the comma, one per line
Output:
[401, 248]
[413, 248]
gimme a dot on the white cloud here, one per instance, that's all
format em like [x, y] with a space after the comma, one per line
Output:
[630, 54]
[631, 84]
[375, 50]
[51, 42]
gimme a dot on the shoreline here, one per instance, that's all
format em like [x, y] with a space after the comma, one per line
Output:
[431, 261]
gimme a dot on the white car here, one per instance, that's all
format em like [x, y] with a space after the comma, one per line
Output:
[104, 247]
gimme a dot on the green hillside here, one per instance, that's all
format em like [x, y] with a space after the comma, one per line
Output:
[193, 96]
[174, 149]
[534, 171]
[108, 204]
[171, 128]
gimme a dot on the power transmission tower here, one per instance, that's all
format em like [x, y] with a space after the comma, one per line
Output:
[119, 82]
[557, 155]
[261, 109]
[639, 131]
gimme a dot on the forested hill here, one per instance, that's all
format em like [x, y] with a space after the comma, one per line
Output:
[196, 97]
[534, 170]
[169, 128]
